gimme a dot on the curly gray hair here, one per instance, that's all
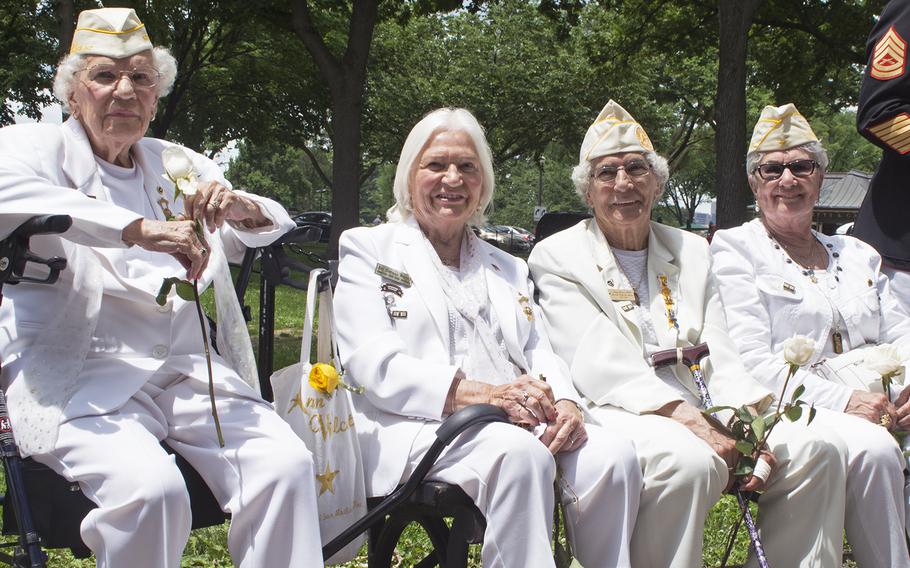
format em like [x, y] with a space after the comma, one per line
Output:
[815, 150]
[581, 175]
[72, 63]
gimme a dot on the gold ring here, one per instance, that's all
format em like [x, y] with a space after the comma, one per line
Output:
[885, 420]
[215, 203]
[525, 401]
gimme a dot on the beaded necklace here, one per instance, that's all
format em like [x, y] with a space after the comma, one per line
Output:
[837, 337]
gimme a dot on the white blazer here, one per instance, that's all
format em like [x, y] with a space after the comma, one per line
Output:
[769, 300]
[120, 336]
[600, 338]
[403, 362]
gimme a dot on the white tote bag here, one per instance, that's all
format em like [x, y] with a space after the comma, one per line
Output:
[324, 420]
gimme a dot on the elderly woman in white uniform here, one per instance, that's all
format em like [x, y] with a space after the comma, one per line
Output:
[96, 372]
[779, 278]
[432, 319]
[616, 288]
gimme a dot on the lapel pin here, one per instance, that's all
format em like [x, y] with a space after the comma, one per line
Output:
[526, 307]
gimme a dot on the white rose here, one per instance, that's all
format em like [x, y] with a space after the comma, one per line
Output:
[187, 185]
[884, 359]
[177, 163]
[798, 350]
[180, 170]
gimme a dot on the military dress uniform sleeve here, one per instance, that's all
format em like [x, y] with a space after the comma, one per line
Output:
[883, 115]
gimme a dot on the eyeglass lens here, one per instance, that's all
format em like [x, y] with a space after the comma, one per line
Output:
[108, 75]
[799, 168]
[635, 169]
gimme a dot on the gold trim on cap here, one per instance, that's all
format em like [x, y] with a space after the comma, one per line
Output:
[112, 32]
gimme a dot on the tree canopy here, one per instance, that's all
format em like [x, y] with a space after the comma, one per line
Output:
[321, 93]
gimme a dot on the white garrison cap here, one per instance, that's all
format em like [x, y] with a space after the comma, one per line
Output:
[614, 132]
[114, 32]
[780, 128]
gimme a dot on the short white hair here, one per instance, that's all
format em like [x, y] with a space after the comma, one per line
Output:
[815, 150]
[581, 175]
[441, 120]
[72, 63]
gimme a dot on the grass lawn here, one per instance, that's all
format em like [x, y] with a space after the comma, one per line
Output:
[207, 548]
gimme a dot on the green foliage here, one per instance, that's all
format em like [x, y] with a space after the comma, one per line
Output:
[282, 172]
[28, 49]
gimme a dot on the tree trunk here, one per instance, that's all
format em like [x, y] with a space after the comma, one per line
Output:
[346, 78]
[733, 195]
[346, 122]
[66, 24]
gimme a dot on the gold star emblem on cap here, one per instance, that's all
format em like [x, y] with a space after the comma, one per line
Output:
[327, 480]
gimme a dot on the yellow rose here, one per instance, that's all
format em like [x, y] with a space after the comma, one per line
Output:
[324, 377]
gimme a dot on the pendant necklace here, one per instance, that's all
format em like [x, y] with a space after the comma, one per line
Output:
[837, 337]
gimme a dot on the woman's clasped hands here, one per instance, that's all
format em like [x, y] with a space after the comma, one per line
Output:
[530, 402]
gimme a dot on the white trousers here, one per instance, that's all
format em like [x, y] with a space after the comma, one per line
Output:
[263, 477]
[875, 507]
[509, 474]
[801, 513]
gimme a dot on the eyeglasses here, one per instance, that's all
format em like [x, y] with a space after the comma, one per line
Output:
[635, 169]
[144, 77]
[799, 168]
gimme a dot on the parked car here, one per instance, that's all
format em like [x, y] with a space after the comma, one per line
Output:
[319, 219]
[506, 237]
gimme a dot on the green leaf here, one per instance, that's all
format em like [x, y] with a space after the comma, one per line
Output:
[744, 468]
[811, 414]
[794, 413]
[163, 292]
[716, 409]
[745, 447]
[185, 290]
[758, 426]
[798, 393]
[743, 414]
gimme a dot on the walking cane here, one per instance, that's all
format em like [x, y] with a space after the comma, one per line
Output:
[14, 255]
[692, 357]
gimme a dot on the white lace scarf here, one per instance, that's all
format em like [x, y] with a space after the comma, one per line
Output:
[489, 360]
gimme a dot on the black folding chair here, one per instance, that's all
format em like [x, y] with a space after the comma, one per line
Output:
[556, 221]
[46, 510]
[426, 503]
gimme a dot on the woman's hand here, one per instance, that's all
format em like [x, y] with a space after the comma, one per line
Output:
[177, 238]
[874, 407]
[712, 433]
[567, 433]
[216, 204]
[754, 483]
[527, 401]
[902, 402]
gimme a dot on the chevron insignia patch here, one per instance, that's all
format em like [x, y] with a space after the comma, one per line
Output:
[894, 132]
[889, 56]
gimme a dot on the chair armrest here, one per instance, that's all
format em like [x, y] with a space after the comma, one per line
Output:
[14, 252]
[450, 428]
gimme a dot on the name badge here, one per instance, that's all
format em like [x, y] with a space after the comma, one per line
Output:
[621, 294]
[789, 287]
[398, 276]
[400, 314]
